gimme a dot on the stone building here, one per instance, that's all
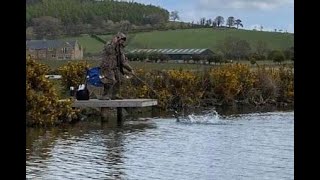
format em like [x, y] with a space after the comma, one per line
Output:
[54, 49]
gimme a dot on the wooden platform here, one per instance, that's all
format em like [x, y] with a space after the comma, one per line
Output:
[95, 103]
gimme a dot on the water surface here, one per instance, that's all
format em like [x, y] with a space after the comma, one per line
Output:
[206, 146]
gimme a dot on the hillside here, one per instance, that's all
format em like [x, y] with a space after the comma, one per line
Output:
[191, 38]
[94, 12]
[207, 38]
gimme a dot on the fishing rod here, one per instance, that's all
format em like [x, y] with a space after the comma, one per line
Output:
[146, 85]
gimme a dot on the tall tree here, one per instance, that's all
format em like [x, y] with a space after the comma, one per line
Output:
[202, 21]
[261, 48]
[234, 48]
[208, 22]
[238, 23]
[214, 24]
[219, 20]
[230, 21]
[174, 15]
[261, 27]
[46, 27]
[153, 19]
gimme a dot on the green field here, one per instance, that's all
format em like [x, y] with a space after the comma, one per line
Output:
[206, 38]
[90, 44]
[190, 38]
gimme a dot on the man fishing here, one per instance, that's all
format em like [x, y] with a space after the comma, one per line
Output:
[112, 64]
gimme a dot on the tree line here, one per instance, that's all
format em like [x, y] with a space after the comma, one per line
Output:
[230, 49]
[219, 21]
[55, 17]
[51, 19]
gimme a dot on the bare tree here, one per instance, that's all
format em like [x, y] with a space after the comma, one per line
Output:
[202, 21]
[234, 48]
[261, 48]
[208, 22]
[219, 20]
[261, 27]
[214, 24]
[174, 15]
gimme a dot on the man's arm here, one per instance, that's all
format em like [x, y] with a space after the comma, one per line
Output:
[125, 63]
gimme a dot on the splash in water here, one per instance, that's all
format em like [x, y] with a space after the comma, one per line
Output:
[209, 118]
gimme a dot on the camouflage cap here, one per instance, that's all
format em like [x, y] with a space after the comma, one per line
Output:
[121, 35]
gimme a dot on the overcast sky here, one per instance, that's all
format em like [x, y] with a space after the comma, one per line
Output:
[271, 14]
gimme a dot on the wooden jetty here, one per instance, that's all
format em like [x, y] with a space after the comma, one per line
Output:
[105, 105]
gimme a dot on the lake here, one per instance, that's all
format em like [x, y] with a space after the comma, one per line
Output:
[200, 146]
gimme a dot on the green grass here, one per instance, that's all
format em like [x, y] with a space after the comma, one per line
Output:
[206, 38]
[190, 38]
[90, 44]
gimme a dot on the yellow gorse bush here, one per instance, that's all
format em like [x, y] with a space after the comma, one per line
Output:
[231, 81]
[171, 87]
[226, 84]
[185, 85]
[42, 102]
[73, 73]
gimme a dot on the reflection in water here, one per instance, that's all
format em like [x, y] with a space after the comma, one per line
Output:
[82, 148]
[246, 146]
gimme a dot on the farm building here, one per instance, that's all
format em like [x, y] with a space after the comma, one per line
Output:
[176, 54]
[54, 49]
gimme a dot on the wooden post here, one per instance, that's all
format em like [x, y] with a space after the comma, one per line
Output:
[119, 115]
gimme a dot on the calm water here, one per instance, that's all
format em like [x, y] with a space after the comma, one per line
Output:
[208, 146]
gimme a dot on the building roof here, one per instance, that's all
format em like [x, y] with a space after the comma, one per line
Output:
[170, 51]
[45, 44]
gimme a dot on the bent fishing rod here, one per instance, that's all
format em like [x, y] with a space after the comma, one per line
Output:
[146, 85]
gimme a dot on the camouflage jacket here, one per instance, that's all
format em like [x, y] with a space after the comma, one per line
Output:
[109, 57]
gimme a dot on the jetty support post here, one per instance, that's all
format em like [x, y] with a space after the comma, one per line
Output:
[119, 115]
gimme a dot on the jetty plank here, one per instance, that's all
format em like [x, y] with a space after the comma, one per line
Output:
[95, 103]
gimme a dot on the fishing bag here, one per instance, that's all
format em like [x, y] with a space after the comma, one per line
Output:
[82, 93]
[94, 77]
